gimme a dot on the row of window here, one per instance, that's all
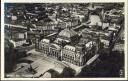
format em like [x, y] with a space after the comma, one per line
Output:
[71, 53]
[73, 61]
[72, 57]
[69, 58]
[55, 55]
[69, 49]
[50, 51]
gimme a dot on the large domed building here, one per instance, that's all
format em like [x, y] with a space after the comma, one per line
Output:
[67, 36]
[67, 33]
[68, 47]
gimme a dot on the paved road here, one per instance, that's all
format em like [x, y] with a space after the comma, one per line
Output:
[26, 48]
[42, 55]
[16, 26]
[64, 64]
[41, 63]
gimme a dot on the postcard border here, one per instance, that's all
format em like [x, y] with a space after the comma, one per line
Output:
[60, 1]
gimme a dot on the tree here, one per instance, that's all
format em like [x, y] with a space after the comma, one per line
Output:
[9, 56]
[68, 72]
[54, 74]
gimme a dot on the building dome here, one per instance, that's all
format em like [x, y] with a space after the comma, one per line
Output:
[67, 33]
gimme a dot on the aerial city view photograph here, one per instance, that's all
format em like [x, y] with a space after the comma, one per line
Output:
[64, 40]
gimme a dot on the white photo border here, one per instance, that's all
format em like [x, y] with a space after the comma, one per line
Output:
[61, 1]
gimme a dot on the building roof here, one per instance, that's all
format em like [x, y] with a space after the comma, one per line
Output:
[89, 44]
[12, 42]
[55, 46]
[62, 39]
[67, 33]
[46, 40]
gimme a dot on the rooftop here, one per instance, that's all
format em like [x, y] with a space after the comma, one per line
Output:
[55, 46]
[67, 33]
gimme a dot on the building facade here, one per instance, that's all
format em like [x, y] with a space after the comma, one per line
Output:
[67, 47]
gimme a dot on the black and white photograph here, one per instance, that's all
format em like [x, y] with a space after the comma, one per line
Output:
[64, 40]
